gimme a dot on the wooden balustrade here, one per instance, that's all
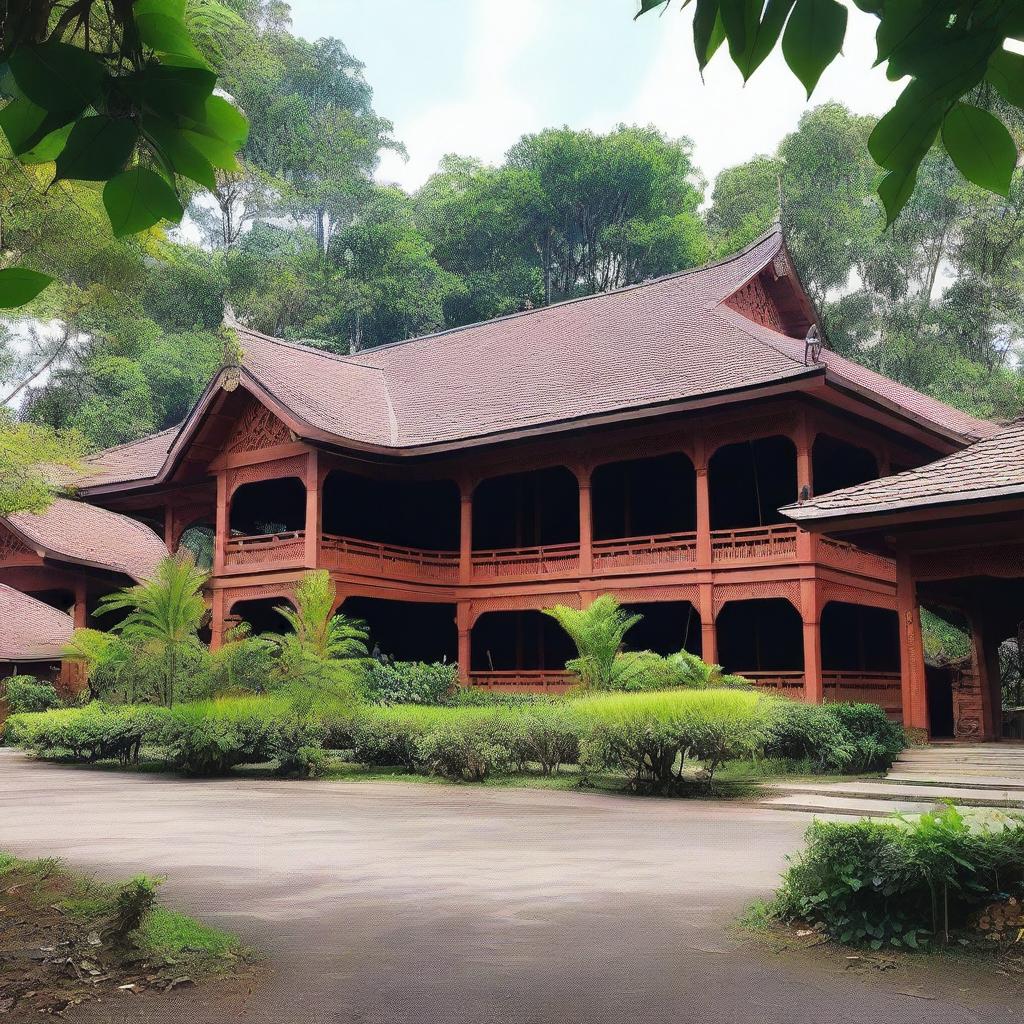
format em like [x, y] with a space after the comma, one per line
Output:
[658, 549]
[882, 688]
[529, 680]
[843, 555]
[389, 560]
[546, 558]
[791, 684]
[754, 543]
[256, 549]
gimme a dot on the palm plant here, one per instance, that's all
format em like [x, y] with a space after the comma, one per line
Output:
[101, 654]
[316, 630]
[165, 614]
[598, 633]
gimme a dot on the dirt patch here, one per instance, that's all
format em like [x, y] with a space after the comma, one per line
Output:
[60, 945]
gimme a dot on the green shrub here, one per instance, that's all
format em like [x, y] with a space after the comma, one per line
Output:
[876, 739]
[901, 882]
[466, 748]
[26, 694]
[546, 734]
[298, 746]
[94, 732]
[480, 697]
[410, 682]
[385, 736]
[213, 736]
[693, 671]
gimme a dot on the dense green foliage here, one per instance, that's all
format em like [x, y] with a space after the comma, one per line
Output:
[24, 694]
[409, 682]
[903, 882]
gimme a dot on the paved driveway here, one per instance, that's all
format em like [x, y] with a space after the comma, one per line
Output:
[406, 904]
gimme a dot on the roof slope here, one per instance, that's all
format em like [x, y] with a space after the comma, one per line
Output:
[991, 468]
[73, 531]
[665, 341]
[32, 631]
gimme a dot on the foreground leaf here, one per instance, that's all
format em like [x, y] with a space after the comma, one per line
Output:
[137, 199]
[97, 148]
[813, 39]
[19, 285]
[57, 76]
[980, 146]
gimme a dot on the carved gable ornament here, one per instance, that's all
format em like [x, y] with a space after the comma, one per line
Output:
[258, 428]
[12, 547]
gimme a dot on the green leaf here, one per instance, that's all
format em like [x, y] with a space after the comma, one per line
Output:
[97, 148]
[708, 30]
[751, 36]
[1006, 73]
[902, 136]
[223, 120]
[181, 155]
[57, 76]
[649, 5]
[49, 147]
[813, 39]
[767, 33]
[895, 189]
[137, 199]
[171, 90]
[980, 146]
[219, 153]
[19, 285]
[26, 124]
[165, 33]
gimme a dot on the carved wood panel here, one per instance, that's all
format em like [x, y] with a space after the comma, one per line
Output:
[13, 549]
[754, 302]
[257, 428]
[278, 469]
[764, 590]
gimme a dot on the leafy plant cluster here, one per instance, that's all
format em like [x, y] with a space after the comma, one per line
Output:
[410, 682]
[906, 882]
[24, 694]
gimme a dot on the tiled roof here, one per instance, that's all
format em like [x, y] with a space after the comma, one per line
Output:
[991, 468]
[666, 341]
[137, 460]
[32, 631]
[74, 531]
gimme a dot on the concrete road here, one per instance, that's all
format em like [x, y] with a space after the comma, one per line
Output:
[408, 904]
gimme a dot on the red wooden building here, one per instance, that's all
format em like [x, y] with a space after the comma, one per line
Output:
[639, 442]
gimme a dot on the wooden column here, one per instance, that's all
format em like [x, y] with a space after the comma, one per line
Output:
[708, 634]
[465, 531]
[314, 510]
[806, 543]
[810, 611]
[169, 527]
[80, 612]
[912, 674]
[700, 465]
[985, 652]
[463, 627]
[222, 529]
[586, 524]
[217, 613]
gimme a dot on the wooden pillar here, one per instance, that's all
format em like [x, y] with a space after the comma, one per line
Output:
[217, 615]
[912, 673]
[169, 527]
[586, 524]
[700, 465]
[80, 612]
[806, 542]
[222, 528]
[462, 625]
[810, 611]
[465, 531]
[985, 652]
[708, 634]
[314, 510]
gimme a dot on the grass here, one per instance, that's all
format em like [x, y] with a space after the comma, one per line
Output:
[171, 936]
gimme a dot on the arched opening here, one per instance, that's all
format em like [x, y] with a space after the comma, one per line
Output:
[750, 481]
[199, 540]
[408, 513]
[526, 510]
[837, 464]
[760, 637]
[260, 615]
[268, 507]
[407, 630]
[644, 497]
[858, 638]
[521, 640]
[666, 628]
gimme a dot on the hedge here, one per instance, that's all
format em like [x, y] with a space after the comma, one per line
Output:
[25, 694]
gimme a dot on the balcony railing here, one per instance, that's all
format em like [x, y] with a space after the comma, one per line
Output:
[659, 549]
[882, 688]
[753, 543]
[536, 681]
[791, 684]
[265, 547]
[533, 561]
[389, 560]
[842, 555]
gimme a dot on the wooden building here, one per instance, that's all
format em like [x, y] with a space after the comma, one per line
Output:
[638, 442]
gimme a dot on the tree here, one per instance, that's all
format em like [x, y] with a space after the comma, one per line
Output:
[316, 629]
[164, 616]
[28, 457]
[948, 50]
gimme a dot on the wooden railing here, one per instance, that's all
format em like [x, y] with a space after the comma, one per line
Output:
[531, 561]
[537, 681]
[789, 683]
[753, 542]
[882, 688]
[265, 547]
[388, 560]
[658, 549]
[842, 555]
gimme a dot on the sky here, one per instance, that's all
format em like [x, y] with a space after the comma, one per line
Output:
[472, 76]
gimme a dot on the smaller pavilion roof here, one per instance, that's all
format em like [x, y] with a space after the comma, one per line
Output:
[32, 631]
[72, 531]
[992, 468]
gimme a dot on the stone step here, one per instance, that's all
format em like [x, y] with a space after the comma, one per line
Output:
[956, 758]
[949, 778]
[955, 769]
[857, 807]
[881, 790]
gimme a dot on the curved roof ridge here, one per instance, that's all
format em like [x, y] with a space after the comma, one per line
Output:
[33, 630]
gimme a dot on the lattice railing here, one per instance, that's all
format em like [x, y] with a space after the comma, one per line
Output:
[265, 547]
[753, 543]
[547, 558]
[659, 549]
[790, 684]
[882, 688]
[388, 560]
[539, 680]
[842, 555]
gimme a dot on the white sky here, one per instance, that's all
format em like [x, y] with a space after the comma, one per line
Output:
[472, 76]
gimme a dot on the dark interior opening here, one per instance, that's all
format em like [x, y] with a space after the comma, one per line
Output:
[666, 628]
[837, 464]
[527, 640]
[760, 636]
[749, 482]
[939, 690]
[59, 598]
[857, 638]
[270, 506]
[407, 630]
[415, 513]
[261, 616]
[641, 497]
[526, 509]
